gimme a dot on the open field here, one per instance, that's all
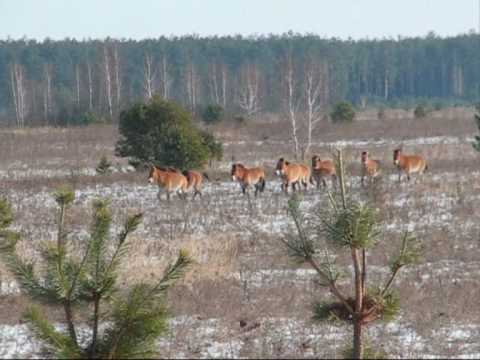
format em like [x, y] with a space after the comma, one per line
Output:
[243, 275]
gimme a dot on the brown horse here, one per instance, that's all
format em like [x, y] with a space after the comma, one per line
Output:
[321, 169]
[194, 181]
[292, 174]
[370, 168]
[247, 177]
[408, 163]
[168, 179]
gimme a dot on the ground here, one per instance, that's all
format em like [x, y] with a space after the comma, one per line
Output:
[245, 297]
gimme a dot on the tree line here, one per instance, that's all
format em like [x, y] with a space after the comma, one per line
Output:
[74, 82]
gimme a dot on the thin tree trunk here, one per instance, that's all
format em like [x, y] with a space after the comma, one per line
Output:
[67, 306]
[165, 78]
[148, 77]
[77, 83]
[96, 315]
[357, 317]
[357, 338]
[118, 83]
[90, 86]
[224, 86]
[108, 81]
[14, 93]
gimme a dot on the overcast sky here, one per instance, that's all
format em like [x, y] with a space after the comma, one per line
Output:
[139, 19]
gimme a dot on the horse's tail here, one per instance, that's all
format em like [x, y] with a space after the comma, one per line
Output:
[205, 175]
[262, 184]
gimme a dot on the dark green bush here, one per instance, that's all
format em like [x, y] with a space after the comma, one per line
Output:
[161, 132]
[343, 112]
[212, 114]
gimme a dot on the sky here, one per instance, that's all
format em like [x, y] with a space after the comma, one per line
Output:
[139, 19]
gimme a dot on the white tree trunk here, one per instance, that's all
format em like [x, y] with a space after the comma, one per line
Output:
[13, 82]
[118, 81]
[248, 93]
[314, 83]
[90, 86]
[191, 83]
[19, 93]
[77, 84]
[148, 78]
[224, 85]
[165, 78]
[213, 83]
[48, 92]
[108, 81]
[291, 102]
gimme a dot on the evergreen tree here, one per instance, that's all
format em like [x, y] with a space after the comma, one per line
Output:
[104, 166]
[133, 318]
[476, 142]
[353, 226]
[343, 112]
[161, 132]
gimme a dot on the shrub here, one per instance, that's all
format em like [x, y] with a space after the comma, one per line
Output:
[161, 132]
[420, 111]
[104, 166]
[343, 112]
[215, 148]
[212, 114]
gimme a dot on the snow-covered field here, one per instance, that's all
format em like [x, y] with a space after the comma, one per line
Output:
[259, 283]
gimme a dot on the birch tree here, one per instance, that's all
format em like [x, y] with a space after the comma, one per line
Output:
[165, 77]
[314, 89]
[291, 100]
[149, 75]
[17, 81]
[108, 80]
[118, 81]
[248, 89]
[191, 85]
[47, 94]
[90, 86]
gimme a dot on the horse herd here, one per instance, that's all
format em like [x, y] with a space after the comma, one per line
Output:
[173, 180]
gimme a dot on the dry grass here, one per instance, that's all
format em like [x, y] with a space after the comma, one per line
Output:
[242, 274]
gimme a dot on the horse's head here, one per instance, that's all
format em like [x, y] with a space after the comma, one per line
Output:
[315, 161]
[364, 157]
[281, 166]
[396, 156]
[152, 174]
[235, 172]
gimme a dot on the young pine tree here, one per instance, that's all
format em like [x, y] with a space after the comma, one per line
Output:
[132, 319]
[476, 142]
[351, 226]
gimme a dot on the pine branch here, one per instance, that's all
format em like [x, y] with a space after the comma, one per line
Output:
[56, 342]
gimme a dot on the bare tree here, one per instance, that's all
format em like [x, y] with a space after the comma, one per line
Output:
[291, 100]
[223, 72]
[118, 81]
[248, 89]
[314, 99]
[17, 79]
[165, 78]
[90, 86]
[108, 80]
[213, 83]
[148, 77]
[191, 85]
[47, 95]
[77, 84]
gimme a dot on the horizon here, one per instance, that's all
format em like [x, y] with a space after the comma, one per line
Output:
[347, 20]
